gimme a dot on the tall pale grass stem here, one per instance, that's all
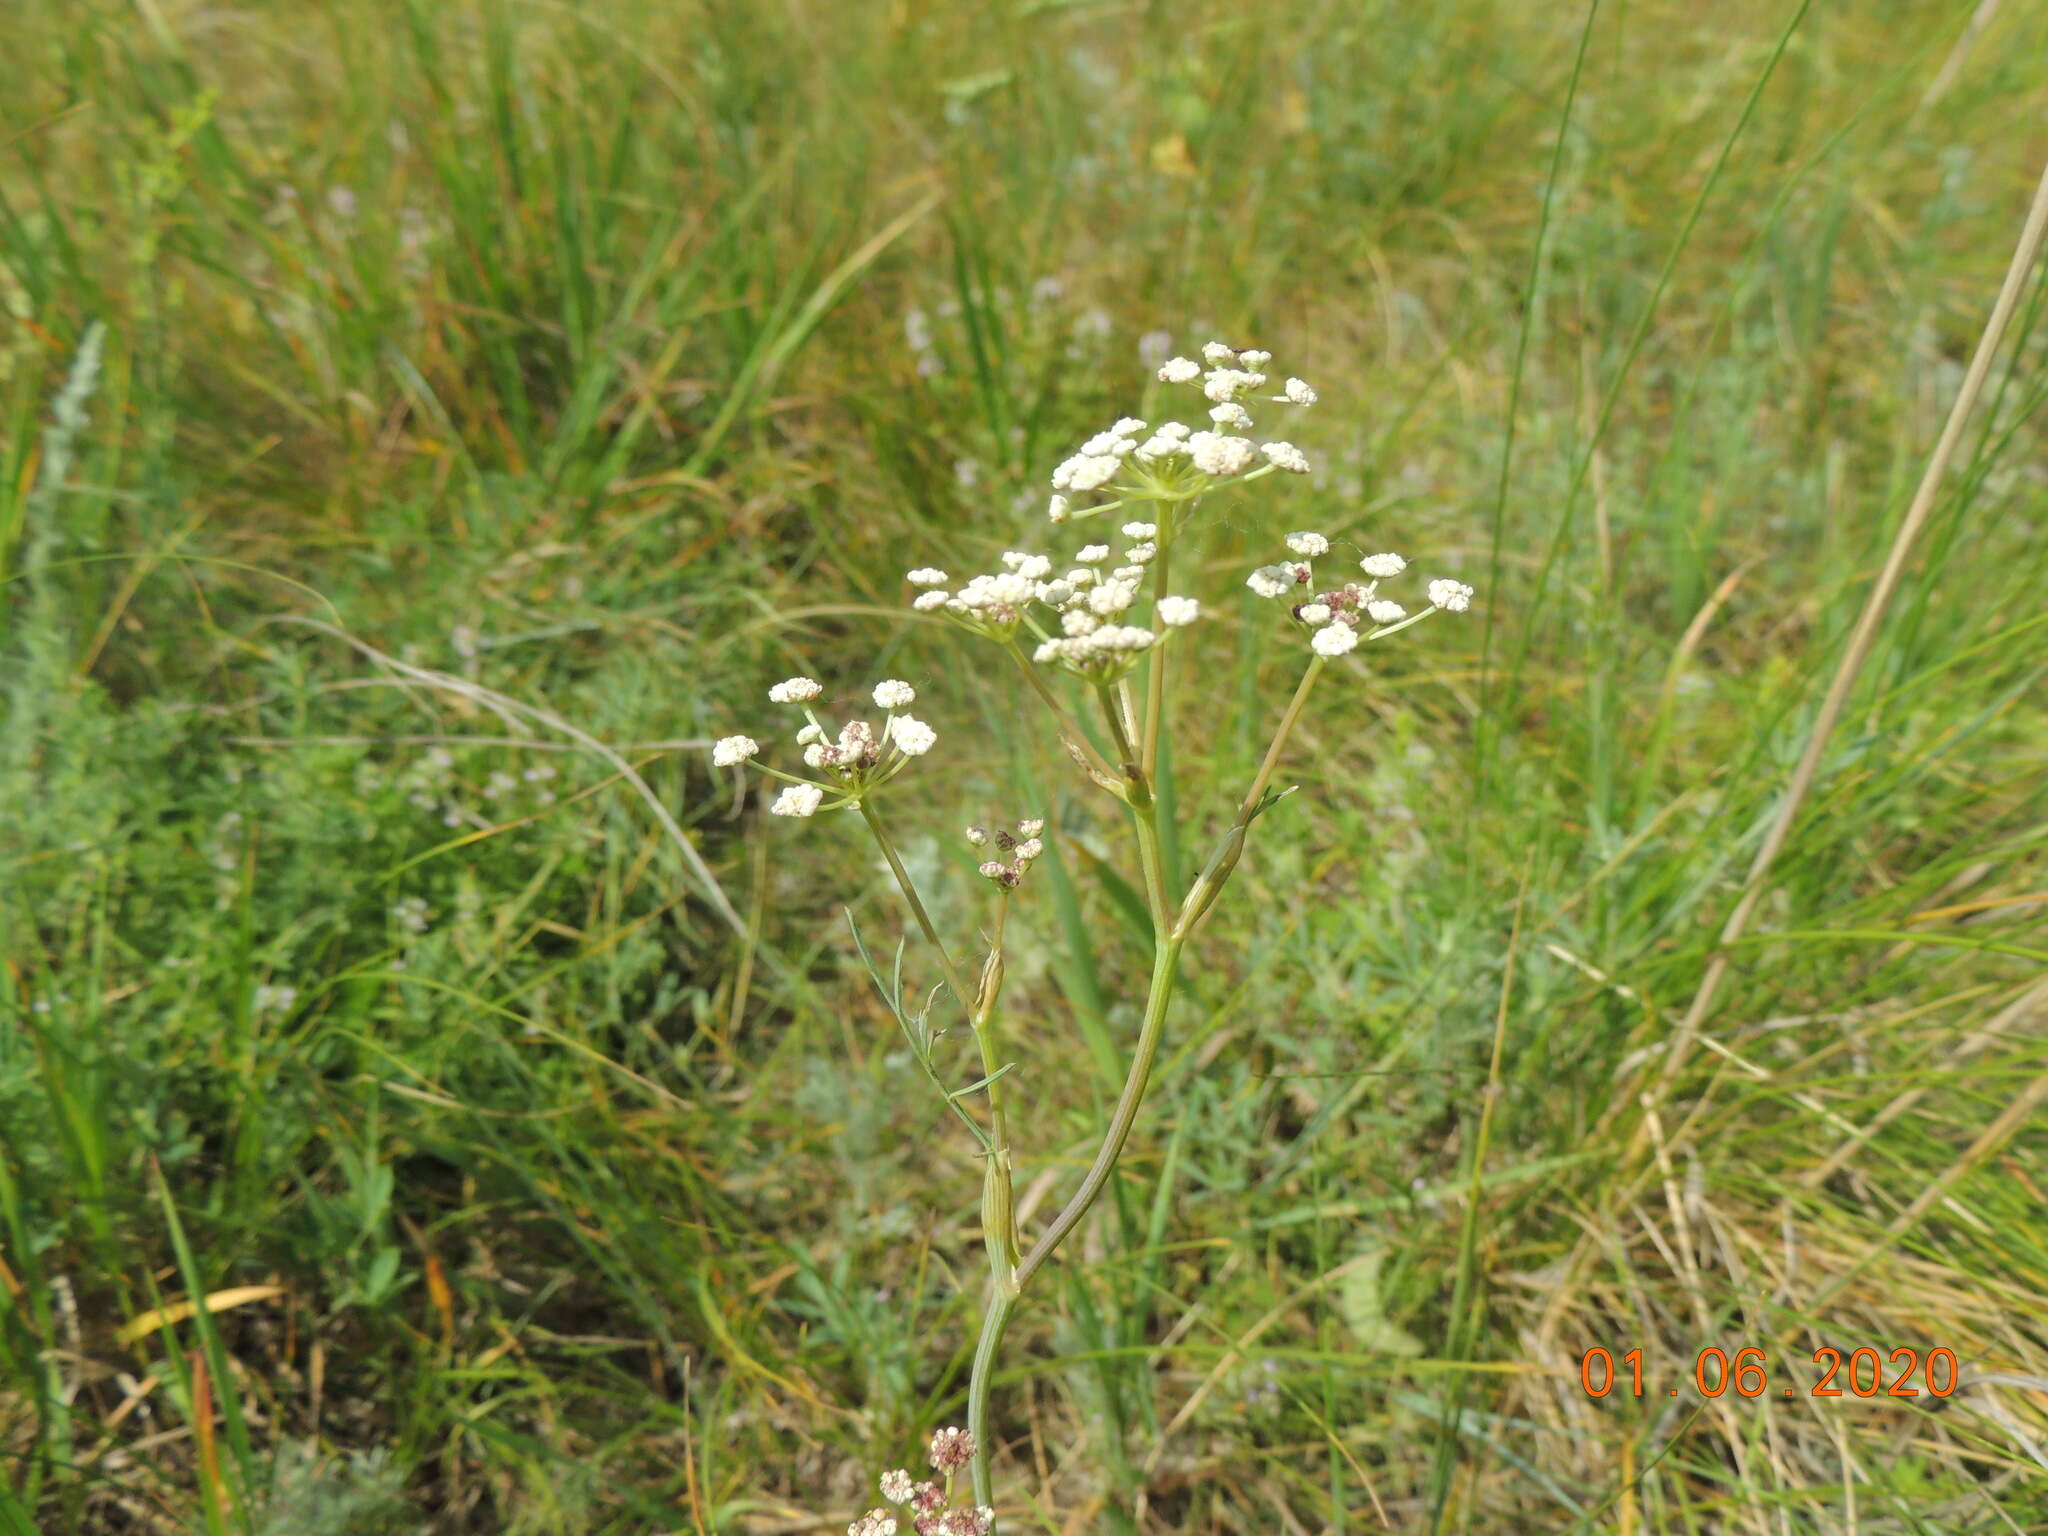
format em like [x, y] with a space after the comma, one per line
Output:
[1865, 634]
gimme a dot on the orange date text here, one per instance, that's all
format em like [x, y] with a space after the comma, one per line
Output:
[1864, 1372]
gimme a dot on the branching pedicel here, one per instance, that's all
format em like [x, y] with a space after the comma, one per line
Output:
[1113, 623]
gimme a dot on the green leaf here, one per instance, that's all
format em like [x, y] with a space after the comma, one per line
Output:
[1362, 1304]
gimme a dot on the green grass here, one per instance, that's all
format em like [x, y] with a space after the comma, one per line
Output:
[570, 349]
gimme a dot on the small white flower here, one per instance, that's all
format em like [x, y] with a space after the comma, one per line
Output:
[1314, 613]
[1030, 567]
[976, 836]
[1177, 611]
[994, 869]
[1225, 384]
[1179, 370]
[1029, 849]
[1003, 589]
[1254, 359]
[1299, 393]
[1094, 470]
[1093, 554]
[925, 602]
[1079, 621]
[1172, 431]
[797, 800]
[1086, 472]
[1453, 596]
[896, 1485]
[1334, 639]
[795, 690]
[1216, 352]
[1139, 554]
[876, 1522]
[1111, 598]
[925, 576]
[913, 737]
[1140, 530]
[1286, 456]
[1128, 426]
[809, 734]
[1231, 414]
[893, 694]
[1383, 565]
[1055, 593]
[1031, 826]
[1271, 580]
[1381, 611]
[1224, 456]
[731, 751]
[1056, 509]
[1309, 544]
[819, 754]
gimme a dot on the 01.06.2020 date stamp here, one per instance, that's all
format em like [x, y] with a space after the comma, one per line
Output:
[1862, 1372]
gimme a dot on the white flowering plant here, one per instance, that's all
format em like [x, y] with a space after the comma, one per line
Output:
[1104, 632]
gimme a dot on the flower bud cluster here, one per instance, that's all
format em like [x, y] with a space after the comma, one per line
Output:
[925, 1504]
[854, 761]
[1024, 849]
[1340, 617]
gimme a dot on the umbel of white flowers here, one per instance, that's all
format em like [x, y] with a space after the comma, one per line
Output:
[1080, 620]
[852, 763]
[1339, 618]
[1173, 461]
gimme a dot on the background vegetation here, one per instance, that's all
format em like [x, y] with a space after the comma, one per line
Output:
[613, 361]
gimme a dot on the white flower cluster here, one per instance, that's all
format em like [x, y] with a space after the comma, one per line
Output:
[925, 1502]
[1176, 462]
[1024, 848]
[856, 760]
[991, 604]
[1338, 618]
[1088, 603]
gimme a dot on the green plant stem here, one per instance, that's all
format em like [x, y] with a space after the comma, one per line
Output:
[1170, 933]
[1003, 1299]
[1121, 1119]
[1091, 759]
[1132, 773]
[924, 919]
[1004, 1289]
[1279, 744]
[1144, 807]
[998, 1201]
[1155, 677]
[998, 1204]
[1209, 884]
